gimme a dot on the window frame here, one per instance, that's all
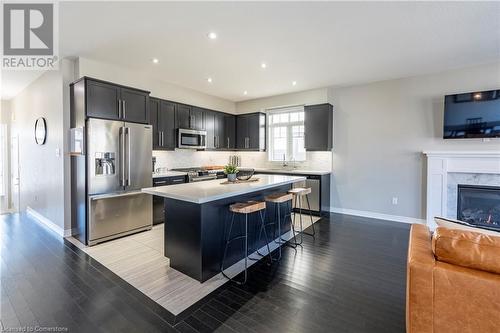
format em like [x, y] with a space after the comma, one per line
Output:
[289, 130]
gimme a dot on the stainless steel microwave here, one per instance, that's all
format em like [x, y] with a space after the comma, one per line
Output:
[191, 139]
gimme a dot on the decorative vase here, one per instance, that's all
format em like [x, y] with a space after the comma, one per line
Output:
[231, 177]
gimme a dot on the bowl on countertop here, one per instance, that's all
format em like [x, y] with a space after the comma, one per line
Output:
[245, 173]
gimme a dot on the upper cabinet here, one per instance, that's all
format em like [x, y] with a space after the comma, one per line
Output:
[220, 129]
[251, 131]
[318, 127]
[229, 138]
[190, 117]
[162, 118]
[115, 102]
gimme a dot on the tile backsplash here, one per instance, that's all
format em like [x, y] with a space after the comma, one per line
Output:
[182, 158]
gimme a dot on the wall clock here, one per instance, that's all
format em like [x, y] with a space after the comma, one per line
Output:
[40, 131]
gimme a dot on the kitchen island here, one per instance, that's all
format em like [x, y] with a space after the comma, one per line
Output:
[197, 219]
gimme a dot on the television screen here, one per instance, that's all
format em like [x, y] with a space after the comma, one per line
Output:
[472, 115]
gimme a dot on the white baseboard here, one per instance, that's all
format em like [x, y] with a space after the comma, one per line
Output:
[378, 216]
[47, 223]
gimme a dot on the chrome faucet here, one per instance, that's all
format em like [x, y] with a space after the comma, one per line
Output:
[285, 164]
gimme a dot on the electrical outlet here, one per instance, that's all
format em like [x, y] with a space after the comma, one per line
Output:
[394, 200]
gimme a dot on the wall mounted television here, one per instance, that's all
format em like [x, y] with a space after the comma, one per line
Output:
[472, 115]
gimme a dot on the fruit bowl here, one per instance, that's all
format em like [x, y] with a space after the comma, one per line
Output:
[245, 174]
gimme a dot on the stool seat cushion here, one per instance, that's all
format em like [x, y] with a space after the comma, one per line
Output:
[279, 197]
[300, 190]
[247, 207]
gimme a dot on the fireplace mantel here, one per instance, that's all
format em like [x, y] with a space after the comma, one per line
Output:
[441, 163]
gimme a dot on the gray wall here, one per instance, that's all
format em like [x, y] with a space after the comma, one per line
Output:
[381, 130]
[44, 182]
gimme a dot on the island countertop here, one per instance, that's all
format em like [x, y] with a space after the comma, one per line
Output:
[211, 190]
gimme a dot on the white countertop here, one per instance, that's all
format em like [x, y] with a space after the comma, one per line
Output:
[168, 174]
[293, 171]
[211, 190]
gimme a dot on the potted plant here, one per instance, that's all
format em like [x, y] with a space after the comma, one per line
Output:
[231, 171]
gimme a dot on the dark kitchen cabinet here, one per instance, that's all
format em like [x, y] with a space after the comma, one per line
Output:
[190, 117]
[251, 131]
[197, 118]
[229, 131]
[115, 102]
[162, 118]
[154, 108]
[183, 116]
[318, 127]
[166, 124]
[211, 139]
[215, 125]
[102, 100]
[134, 105]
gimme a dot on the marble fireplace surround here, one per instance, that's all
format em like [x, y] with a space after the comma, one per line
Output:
[447, 169]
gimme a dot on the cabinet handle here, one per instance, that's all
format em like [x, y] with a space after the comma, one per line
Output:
[119, 109]
[159, 138]
[177, 180]
[162, 139]
[123, 101]
[159, 183]
[227, 142]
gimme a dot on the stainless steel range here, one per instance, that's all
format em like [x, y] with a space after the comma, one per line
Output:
[199, 174]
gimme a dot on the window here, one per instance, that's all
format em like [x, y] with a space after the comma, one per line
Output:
[286, 134]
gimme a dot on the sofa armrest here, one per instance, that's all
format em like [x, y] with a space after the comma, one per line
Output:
[419, 281]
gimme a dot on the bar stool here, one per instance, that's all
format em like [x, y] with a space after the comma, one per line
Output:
[278, 199]
[298, 194]
[245, 208]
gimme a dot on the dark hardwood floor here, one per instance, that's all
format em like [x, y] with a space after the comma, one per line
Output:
[350, 278]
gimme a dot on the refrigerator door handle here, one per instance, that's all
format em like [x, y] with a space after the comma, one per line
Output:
[121, 145]
[127, 142]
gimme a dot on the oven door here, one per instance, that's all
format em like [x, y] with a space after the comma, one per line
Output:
[191, 139]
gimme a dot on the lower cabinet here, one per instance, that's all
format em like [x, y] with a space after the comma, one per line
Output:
[158, 202]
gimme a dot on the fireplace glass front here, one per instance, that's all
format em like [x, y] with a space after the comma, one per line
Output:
[479, 205]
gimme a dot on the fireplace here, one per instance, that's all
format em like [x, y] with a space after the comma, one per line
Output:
[479, 205]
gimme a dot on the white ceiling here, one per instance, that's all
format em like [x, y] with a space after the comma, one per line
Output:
[317, 44]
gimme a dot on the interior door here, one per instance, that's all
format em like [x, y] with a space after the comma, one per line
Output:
[104, 156]
[14, 171]
[138, 155]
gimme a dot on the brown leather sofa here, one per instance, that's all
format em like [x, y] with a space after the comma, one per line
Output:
[453, 281]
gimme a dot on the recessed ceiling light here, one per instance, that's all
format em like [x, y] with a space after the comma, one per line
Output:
[245, 92]
[155, 60]
[294, 83]
[263, 65]
[212, 35]
[209, 80]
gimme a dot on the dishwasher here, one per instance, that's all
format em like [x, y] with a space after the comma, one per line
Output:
[314, 182]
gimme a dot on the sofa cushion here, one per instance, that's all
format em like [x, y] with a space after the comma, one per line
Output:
[467, 249]
[461, 225]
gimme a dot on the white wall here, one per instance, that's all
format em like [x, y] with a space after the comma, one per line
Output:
[161, 89]
[316, 96]
[5, 119]
[44, 171]
[381, 130]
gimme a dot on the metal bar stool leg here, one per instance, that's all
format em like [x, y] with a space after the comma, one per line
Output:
[310, 215]
[245, 237]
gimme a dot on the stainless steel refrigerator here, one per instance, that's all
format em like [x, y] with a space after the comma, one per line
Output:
[118, 166]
